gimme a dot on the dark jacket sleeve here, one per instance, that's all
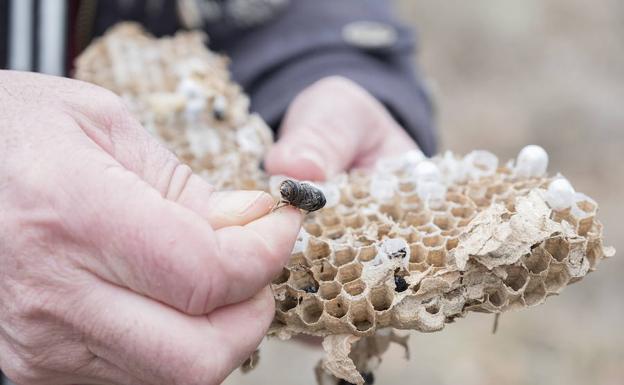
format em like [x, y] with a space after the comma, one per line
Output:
[305, 42]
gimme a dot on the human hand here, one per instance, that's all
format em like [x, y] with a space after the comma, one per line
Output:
[117, 264]
[332, 126]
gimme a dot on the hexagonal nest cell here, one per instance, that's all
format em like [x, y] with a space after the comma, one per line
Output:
[455, 234]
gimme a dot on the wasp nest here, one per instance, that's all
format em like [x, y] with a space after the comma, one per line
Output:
[413, 244]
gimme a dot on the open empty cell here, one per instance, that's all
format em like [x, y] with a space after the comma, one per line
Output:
[313, 228]
[361, 315]
[537, 261]
[381, 297]
[496, 298]
[535, 292]
[444, 222]
[289, 302]
[463, 212]
[557, 247]
[517, 277]
[359, 192]
[349, 272]
[418, 252]
[324, 271]
[417, 219]
[311, 310]
[367, 253]
[344, 255]
[334, 232]
[329, 290]
[282, 277]
[451, 243]
[355, 288]
[556, 278]
[437, 256]
[330, 220]
[337, 307]
[433, 240]
[317, 249]
[354, 221]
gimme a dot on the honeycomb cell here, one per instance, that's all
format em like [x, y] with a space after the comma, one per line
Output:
[417, 219]
[383, 230]
[538, 261]
[557, 278]
[587, 206]
[311, 310]
[335, 232]
[344, 255]
[433, 241]
[429, 230]
[418, 253]
[367, 253]
[443, 222]
[359, 192]
[349, 272]
[283, 277]
[557, 247]
[437, 256]
[451, 243]
[313, 228]
[354, 221]
[381, 298]
[496, 298]
[303, 279]
[535, 292]
[418, 267]
[362, 315]
[584, 225]
[517, 277]
[324, 271]
[329, 290]
[355, 288]
[407, 187]
[289, 302]
[330, 220]
[458, 199]
[317, 249]
[337, 307]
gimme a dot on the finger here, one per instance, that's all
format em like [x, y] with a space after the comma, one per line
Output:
[233, 208]
[254, 254]
[159, 345]
[162, 250]
[327, 128]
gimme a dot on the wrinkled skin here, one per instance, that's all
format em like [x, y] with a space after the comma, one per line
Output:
[118, 265]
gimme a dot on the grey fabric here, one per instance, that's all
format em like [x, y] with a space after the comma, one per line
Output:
[275, 61]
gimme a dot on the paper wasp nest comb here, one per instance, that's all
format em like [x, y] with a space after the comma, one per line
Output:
[414, 244]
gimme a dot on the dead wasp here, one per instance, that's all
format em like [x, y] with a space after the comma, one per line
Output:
[301, 195]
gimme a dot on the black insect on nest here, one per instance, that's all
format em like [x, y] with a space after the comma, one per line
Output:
[400, 284]
[301, 195]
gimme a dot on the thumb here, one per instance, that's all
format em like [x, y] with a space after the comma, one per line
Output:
[326, 128]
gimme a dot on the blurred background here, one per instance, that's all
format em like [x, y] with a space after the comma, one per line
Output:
[507, 73]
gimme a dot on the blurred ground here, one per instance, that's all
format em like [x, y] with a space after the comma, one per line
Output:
[508, 73]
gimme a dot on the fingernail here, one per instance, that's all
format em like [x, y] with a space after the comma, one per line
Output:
[261, 200]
